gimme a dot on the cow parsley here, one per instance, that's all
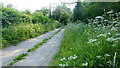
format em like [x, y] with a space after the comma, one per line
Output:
[92, 40]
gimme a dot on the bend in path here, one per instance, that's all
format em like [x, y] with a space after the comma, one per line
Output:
[9, 53]
[43, 55]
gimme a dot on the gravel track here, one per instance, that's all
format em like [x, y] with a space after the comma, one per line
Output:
[9, 53]
[43, 55]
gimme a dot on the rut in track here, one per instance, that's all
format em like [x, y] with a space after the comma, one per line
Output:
[43, 55]
[9, 53]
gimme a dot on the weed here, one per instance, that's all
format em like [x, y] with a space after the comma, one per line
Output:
[20, 57]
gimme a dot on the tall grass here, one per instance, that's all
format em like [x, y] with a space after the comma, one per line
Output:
[84, 45]
[16, 33]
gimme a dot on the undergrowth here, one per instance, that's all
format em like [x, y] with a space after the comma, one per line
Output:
[13, 34]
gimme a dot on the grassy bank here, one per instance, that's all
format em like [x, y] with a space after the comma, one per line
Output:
[16, 33]
[84, 45]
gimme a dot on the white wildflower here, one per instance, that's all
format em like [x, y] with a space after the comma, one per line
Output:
[100, 65]
[109, 62]
[95, 22]
[99, 17]
[114, 59]
[61, 64]
[111, 39]
[75, 57]
[113, 28]
[101, 35]
[106, 55]
[72, 57]
[85, 64]
[114, 45]
[117, 38]
[112, 14]
[108, 33]
[88, 33]
[118, 34]
[116, 13]
[109, 12]
[106, 20]
[66, 63]
[64, 58]
[69, 58]
[98, 56]
[61, 59]
[92, 40]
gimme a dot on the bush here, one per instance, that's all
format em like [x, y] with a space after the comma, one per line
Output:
[19, 32]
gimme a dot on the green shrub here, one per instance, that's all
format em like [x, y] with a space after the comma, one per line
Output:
[19, 32]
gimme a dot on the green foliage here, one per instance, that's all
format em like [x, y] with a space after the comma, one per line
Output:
[27, 12]
[40, 18]
[20, 57]
[62, 14]
[10, 16]
[78, 11]
[13, 16]
[90, 45]
[44, 11]
[16, 33]
[93, 9]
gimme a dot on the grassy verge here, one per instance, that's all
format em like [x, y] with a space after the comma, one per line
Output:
[84, 45]
[22, 56]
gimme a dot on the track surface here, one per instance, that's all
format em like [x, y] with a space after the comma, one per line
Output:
[43, 55]
[9, 53]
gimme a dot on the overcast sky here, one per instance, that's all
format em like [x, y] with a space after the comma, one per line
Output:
[34, 4]
[38, 4]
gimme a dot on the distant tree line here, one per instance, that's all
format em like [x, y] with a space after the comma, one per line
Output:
[13, 16]
[89, 10]
[63, 14]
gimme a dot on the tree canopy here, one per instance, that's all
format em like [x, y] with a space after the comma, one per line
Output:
[62, 13]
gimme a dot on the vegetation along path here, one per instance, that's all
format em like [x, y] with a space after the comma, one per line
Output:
[43, 55]
[8, 54]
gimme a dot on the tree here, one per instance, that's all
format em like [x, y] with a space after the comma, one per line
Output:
[62, 14]
[9, 5]
[27, 12]
[38, 17]
[44, 11]
[10, 16]
[93, 9]
[1, 6]
[77, 11]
